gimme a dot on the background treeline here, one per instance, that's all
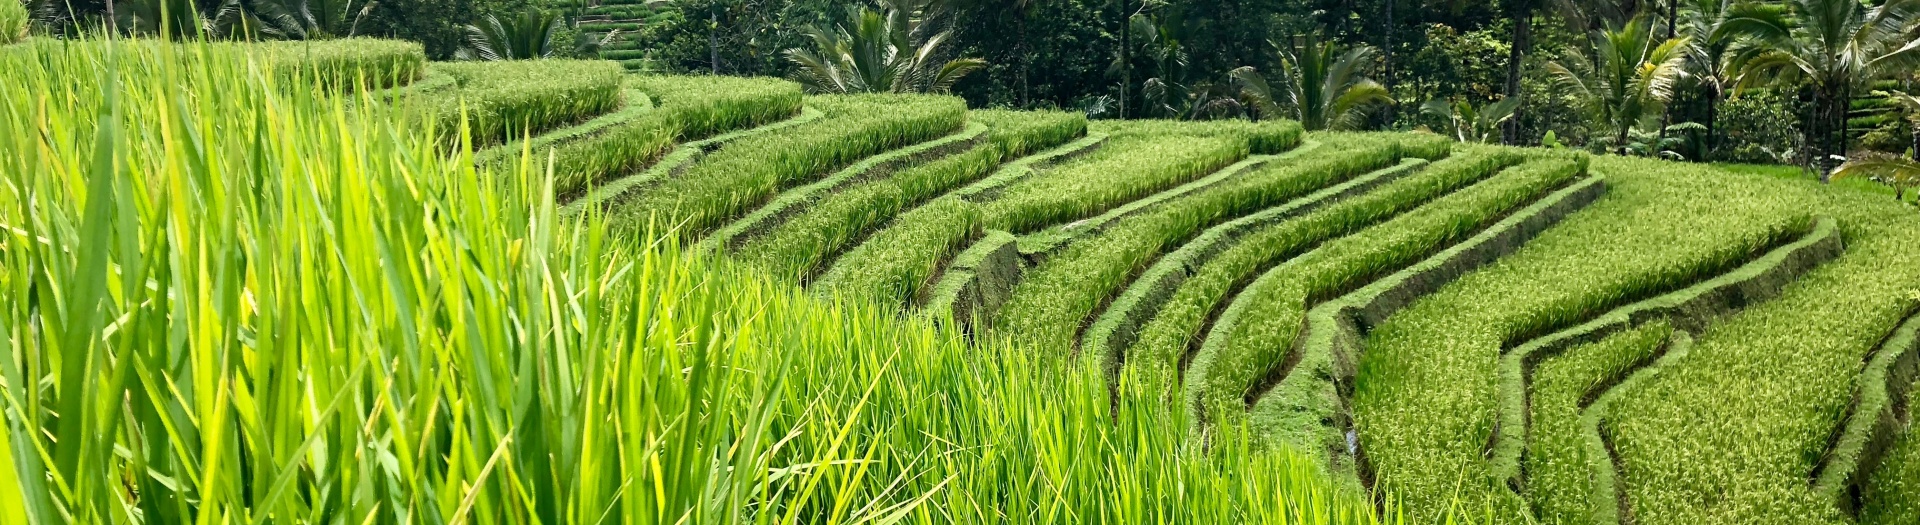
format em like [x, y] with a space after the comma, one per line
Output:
[438, 24]
[1443, 62]
[1701, 80]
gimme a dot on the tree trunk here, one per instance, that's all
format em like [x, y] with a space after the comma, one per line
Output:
[1673, 19]
[1666, 113]
[1620, 141]
[1836, 132]
[1386, 51]
[1807, 132]
[1126, 57]
[1713, 122]
[713, 40]
[1026, 59]
[1831, 126]
[1346, 18]
[1522, 39]
[1842, 107]
[1823, 100]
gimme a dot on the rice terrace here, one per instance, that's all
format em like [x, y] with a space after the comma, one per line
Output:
[307, 261]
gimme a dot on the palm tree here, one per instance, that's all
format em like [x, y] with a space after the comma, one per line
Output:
[1831, 48]
[1892, 170]
[1628, 80]
[1020, 13]
[1703, 23]
[171, 19]
[1521, 11]
[1911, 104]
[524, 37]
[312, 19]
[1167, 92]
[1901, 173]
[1319, 85]
[1467, 123]
[1585, 16]
[871, 51]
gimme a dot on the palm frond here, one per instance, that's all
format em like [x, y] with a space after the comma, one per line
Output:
[1253, 86]
[951, 72]
[880, 51]
[1348, 111]
[1892, 169]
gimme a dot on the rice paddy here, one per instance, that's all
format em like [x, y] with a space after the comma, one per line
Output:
[348, 285]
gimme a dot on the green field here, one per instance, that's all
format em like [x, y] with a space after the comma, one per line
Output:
[352, 286]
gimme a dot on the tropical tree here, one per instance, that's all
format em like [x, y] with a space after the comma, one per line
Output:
[1586, 16]
[1521, 11]
[875, 51]
[1703, 23]
[1830, 48]
[1628, 79]
[1130, 11]
[1901, 173]
[1665, 142]
[172, 19]
[527, 36]
[1893, 170]
[1021, 14]
[312, 19]
[1172, 92]
[1467, 123]
[1319, 85]
[1911, 104]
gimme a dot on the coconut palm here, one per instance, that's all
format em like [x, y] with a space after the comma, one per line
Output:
[173, 19]
[1830, 47]
[874, 51]
[1628, 79]
[1320, 85]
[312, 19]
[1911, 104]
[1703, 23]
[1467, 123]
[527, 36]
[1893, 170]
[1173, 92]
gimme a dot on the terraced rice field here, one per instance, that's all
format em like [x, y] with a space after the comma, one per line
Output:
[1521, 334]
[1462, 333]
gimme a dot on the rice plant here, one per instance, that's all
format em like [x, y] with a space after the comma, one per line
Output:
[1273, 312]
[1789, 368]
[798, 247]
[1050, 305]
[14, 21]
[1129, 168]
[747, 173]
[898, 264]
[500, 101]
[634, 137]
[1426, 397]
[237, 302]
[344, 64]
